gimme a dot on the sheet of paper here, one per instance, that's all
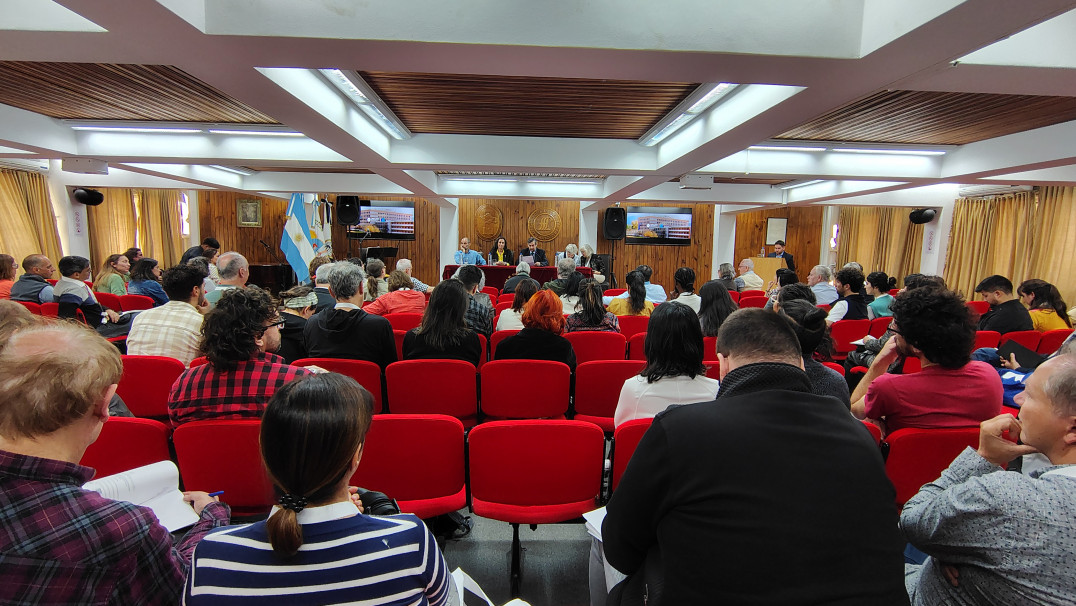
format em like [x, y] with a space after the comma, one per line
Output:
[594, 521]
[155, 486]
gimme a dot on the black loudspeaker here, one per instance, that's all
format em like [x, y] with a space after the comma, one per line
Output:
[347, 210]
[89, 197]
[923, 215]
[616, 220]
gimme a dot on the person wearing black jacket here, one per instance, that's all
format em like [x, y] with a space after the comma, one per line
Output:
[540, 339]
[346, 331]
[1007, 313]
[533, 251]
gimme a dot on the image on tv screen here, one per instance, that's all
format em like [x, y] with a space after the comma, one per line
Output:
[658, 225]
[385, 220]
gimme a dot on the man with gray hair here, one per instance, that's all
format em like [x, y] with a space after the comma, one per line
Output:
[321, 287]
[751, 280]
[818, 280]
[345, 330]
[997, 536]
[234, 272]
[404, 265]
[565, 272]
[523, 272]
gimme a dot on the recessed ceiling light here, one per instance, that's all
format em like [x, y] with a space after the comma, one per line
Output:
[137, 129]
[257, 133]
[795, 184]
[894, 152]
[787, 148]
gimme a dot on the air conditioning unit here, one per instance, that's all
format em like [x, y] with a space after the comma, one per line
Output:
[990, 191]
[36, 165]
[697, 182]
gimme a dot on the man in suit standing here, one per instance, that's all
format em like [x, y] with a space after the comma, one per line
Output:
[779, 252]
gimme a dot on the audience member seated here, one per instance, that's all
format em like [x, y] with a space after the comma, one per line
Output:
[466, 256]
[400, 298]
[234, 272]
[146, 281]
[715, 306]
[541, 337]
[512, 318]
[195, 251]
[654, 293]
[13, 317]
[8, 269]
[112, 278]
[702, 490]
[633, 302]
[318, 546]
[751, 280]
[174, 329]
[312, 269]
[376, 285]
[443, 333]
[726, 274]
[809, 322]
[565, 273]
[1047, 309]
[850, 305]
[674, 373]
[933, 325]
[321, 288]
[794, 292]
[569, 299]
[500, 254]
[864, 355]
[479, 307]
[211, 256]
[298, 303]
[684, 289]
[878, 286]
[404, 265]
[133, 254]
[1007, 313]
[72, 293]
[32, 286]
[346, 331]
[783, 278]
[523, 273]
[239, 337]
[60, 543]
[818, 279]
[996, 536]
[591, 314]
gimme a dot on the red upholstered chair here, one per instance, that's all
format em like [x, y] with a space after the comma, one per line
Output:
[709, 349]
[912, 365]
[1052, 340]
[482, 357]
[752, 293]
[593, 345]
[1028, 338]
[398, 336]
[612, 292]
[146, 382]
[597, 389]
[844, 332]
[625, 439]
[492, 292]
[834, 366]
[199, 361]
[875, 432]
[502, 306]
[713, 370]
[735, 296]
[367, 373]
[894, 292]
[636, 346]
[497, 337]
[879, 326]
[35, 308]
[632, 325]
[135, 302]
[534, 472]
[548, 385]
[109, 300]
[417, 460]
[224, 455]
[126, 443]
[978, 307]
[456, 394]
[404, 322]
[50, 310]
[752, 301]
[986, 338]
[823, 307]
[507, 297]
[918, 456]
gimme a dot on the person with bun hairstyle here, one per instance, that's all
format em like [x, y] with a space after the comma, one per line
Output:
[540, 339]
[809, 323]
[1047, 309]
[317, 545]
[878, 286]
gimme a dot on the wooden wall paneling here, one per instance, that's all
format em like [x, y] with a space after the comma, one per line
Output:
[803, 238]
[665, 260]
[479, 218]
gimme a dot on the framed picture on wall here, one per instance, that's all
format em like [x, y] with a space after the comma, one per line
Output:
[248, 213]
[776, 227]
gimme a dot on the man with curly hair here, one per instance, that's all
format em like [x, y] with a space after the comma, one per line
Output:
[933, 325]
[239, 337]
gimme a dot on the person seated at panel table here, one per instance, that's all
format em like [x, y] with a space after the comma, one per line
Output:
[401, 298]
[540, 339]
[466, 256]
[571, 251]
[591, 314]
[635, 304]
[674, 372]
[512, 318]
[587, 258]
[500, 254]
[1046, 307]
[444, 333]
[537, 254]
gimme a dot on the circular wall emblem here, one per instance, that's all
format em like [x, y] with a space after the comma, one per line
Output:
[488, 221]
[544, 224]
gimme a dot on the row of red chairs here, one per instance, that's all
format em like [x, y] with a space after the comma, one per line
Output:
[116, 303]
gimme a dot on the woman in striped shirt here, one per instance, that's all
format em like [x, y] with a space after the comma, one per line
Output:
[318, 547]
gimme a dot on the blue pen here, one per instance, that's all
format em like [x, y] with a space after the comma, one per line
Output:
[216, 494]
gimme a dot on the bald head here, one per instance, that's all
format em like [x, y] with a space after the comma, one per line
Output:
[38, 265]
[233, 269]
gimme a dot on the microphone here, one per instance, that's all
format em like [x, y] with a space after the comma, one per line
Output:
[274, 253]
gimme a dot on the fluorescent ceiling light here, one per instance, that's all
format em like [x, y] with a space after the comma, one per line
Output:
[356, 89]
[246, 172]
[566, 181]
[787, 148]
[136, 129]
[895, 152]
[257, 133]
[702, 99]
[795, 184]
[479, 178]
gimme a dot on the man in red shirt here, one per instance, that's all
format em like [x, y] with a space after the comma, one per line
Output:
[933, 325]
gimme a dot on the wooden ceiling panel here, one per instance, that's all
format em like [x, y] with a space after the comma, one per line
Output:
[523, 106]
[936, 118]
[311, 169]
[99, 91]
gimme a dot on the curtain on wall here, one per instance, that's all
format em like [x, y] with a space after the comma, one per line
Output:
[29, 221]
[113, 225]
[879, 239]
[159, 228]
[991, 237]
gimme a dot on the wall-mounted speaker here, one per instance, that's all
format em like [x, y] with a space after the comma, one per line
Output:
[923, 215]
[89, 197]
[347, 210]
[616, 220]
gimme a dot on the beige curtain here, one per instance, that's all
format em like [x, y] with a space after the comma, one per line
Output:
[29, 221]
[1051, 255]
[113, 225]
[159, 228]
[992, 237]
[879, 239]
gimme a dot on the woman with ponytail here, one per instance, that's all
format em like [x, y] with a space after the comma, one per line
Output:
[375, 280]
[809, 322]
[1047, 308]
[878, 286]
[318, 547]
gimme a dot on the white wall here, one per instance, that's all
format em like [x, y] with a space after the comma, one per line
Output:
[450, 233]
[724, 239]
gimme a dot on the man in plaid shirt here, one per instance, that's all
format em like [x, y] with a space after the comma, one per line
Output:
[238, 337]
[174, 329]
[60, 544]
[479, 315]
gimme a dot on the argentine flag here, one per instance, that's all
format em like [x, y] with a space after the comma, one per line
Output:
[295, 242]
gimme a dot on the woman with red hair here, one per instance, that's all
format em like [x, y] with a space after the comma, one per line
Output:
[540, 339]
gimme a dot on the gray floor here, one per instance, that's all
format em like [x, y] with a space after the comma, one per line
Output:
[554, 563]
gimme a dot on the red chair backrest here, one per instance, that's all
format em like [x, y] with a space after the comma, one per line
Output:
[823, 307]
[918, 456]
[612, 292]
[51, 281]
[978, 307]
[912, 365]
[709, 349]
[752, 293]
[834, 366]
[398, 336]
[35, 308]
[1052, 340]
[126, 443]
[454, 382]
[225, 455]
[404, 321]
[625, 439]
[50, 310]
[593, 345]
[875, 432]
[507, 297]
[417, 460]
[752, 301]
[1028, 338]
[632, 325]
[367, 373]
[482, 358]
[546, 394]
[133, 302]
[497, 337]
[501, 307]
[894, 292]
[735, 296]
[844, 332]
[637, 346]
[146, 382]
[879, 326]
[198, 361]
[597, 389]
[492, 292]
[109, 300]
[986, 338]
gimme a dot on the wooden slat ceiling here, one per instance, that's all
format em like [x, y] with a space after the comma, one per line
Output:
[99, 91]
[523, 106]
[937, 118]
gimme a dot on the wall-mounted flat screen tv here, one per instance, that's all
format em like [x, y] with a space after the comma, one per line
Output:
[384, 220]
[658, 225]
